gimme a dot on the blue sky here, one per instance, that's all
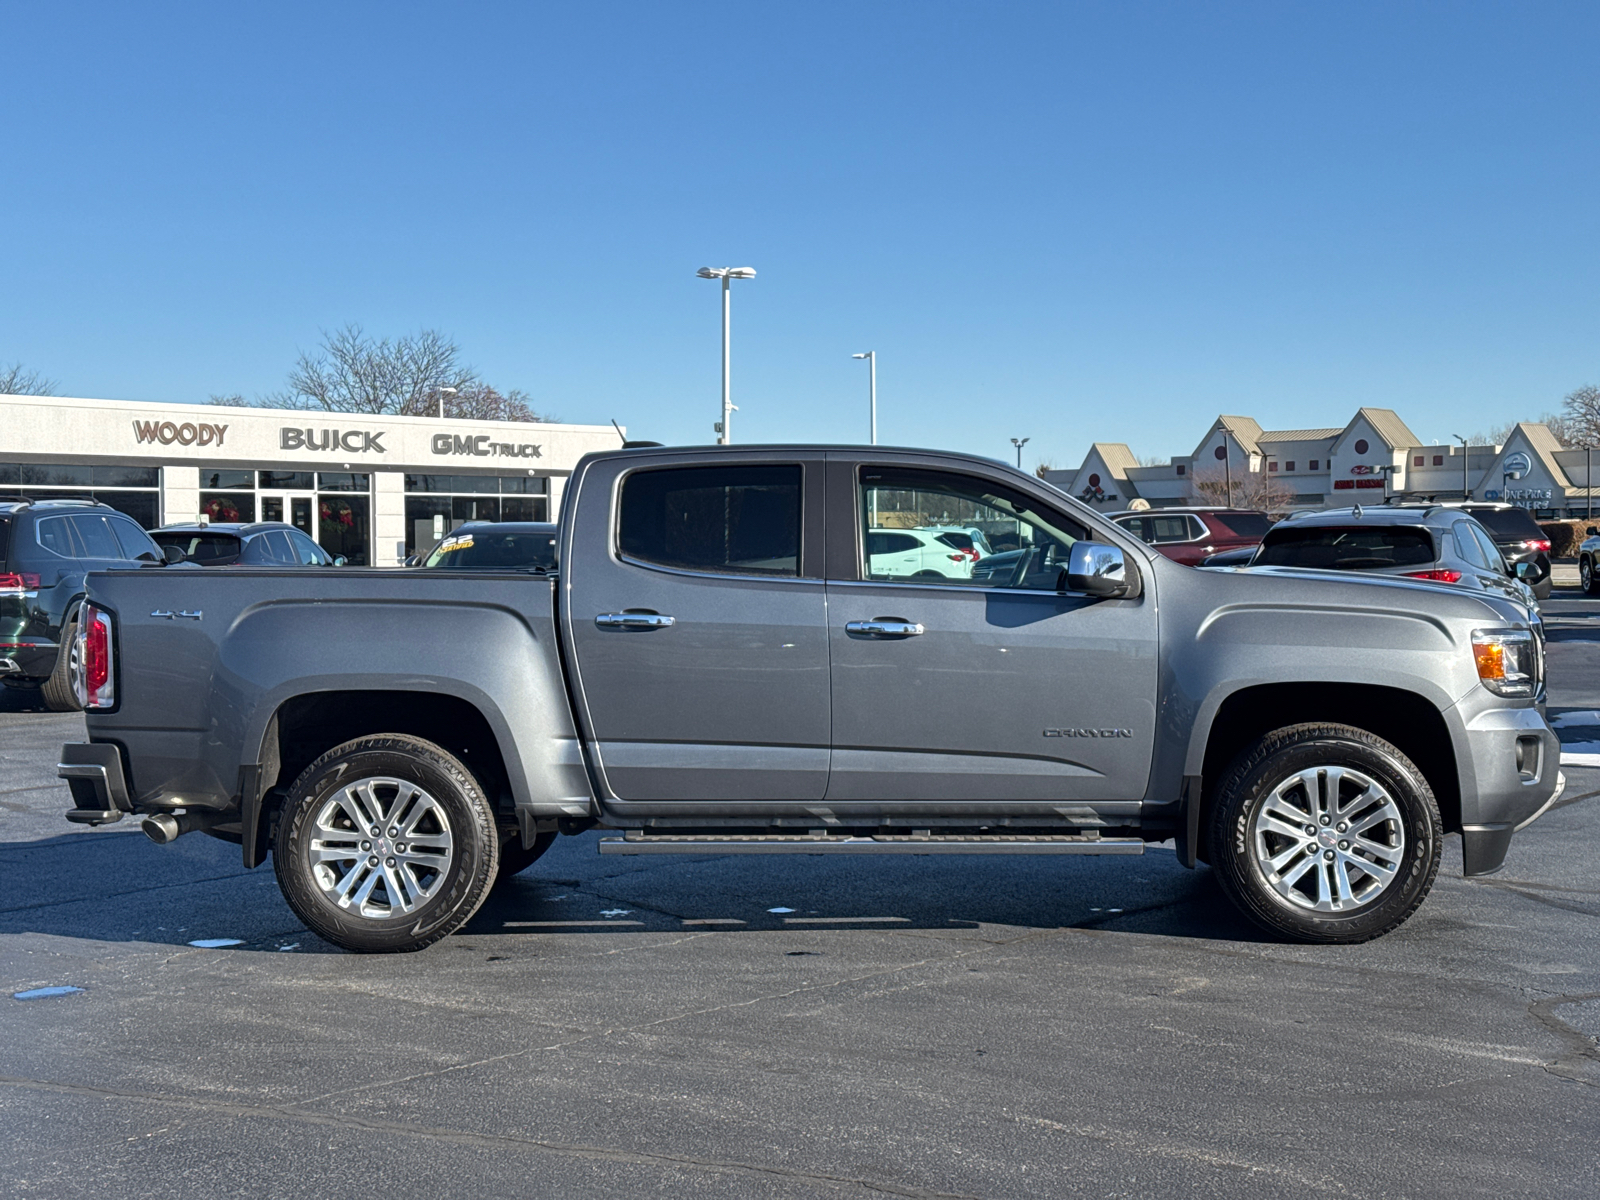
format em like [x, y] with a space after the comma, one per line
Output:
[1070, 222]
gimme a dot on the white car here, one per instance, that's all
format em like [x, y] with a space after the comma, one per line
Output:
[918, 553]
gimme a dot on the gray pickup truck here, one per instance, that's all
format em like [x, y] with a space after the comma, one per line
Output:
[804, 650]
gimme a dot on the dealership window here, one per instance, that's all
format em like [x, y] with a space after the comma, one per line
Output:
[131, 490]
[436, 504]
[338, 515]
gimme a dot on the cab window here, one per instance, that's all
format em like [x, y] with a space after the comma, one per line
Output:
[733, 520]
[904, 513]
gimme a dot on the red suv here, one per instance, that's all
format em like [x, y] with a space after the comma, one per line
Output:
[1187, 535]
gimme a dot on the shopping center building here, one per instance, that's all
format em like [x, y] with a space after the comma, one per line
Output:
[1371, 457]
[373, 489]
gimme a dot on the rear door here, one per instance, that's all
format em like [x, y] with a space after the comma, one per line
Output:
[697, 620]
[992, 691]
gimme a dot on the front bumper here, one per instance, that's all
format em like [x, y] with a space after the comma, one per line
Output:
[1514, 775]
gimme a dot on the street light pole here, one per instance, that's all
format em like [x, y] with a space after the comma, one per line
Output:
[1466, 490]
[1588, 479]
[872, 388]
[727, 275]
[1227, 464]
[442, 393]
[1019, 444]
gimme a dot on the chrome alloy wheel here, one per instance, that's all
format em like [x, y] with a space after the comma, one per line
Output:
[1329, 839]
[1586, 573]
[381, 847]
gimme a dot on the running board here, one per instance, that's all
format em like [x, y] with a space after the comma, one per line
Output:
[655, 843]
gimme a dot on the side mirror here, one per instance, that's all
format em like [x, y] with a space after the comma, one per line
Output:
[339, 560]
[1097, 569]
[1593, 532]
[413, 559]
[1523, 571]
[174, 555]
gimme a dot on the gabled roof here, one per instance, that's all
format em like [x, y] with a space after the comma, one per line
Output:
[1544, 444]
[1300, 435]
[1116, 455]
[1244, 430]
[1388, 425]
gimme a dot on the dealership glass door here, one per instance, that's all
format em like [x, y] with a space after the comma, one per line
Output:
[298, 509]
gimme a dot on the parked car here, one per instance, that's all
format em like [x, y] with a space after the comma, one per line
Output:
[719, 670]
[925, 553]
[258, 544]
[1440, 544]
[965, 537]
[1517, 535]
[47, 547]
[494, 546]
[1187, 535]
[1241, 557]
[1589, 562]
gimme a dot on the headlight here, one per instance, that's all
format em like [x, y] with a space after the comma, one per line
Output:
[1508, 661]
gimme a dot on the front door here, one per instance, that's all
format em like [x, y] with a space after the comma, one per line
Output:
[988, 684]
[698, 622]
[297, 509]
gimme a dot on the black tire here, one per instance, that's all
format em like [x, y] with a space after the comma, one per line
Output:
[444, 900]
[1240, 837]
[1586, 575]
[1541, 590]
[56, 691]
[516, 858]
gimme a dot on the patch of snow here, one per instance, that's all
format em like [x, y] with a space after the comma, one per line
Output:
[290, 946]
[780, 910]
[216, 943]
[1580, 754]
[616, 912]
[45, 993]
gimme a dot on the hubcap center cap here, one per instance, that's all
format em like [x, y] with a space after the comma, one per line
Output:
[1326, 837]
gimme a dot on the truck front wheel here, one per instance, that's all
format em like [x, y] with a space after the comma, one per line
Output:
[1325, 833]
[386, 843]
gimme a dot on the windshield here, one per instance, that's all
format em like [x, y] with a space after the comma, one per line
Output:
[1507, 524]
[1244, 524]
[203, 548]
[1346, 548]
[511, 551]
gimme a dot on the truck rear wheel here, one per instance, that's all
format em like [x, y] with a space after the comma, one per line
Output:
[1325, 833]
[386, 843]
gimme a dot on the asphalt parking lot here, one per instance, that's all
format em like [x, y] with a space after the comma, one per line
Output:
[796, 1027]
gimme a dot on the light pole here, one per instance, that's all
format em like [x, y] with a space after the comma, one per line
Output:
[443, 392]
[1019, 443]
[1227, 464]
[872, 388]
[1466, 491]
[727, 275]
[1588, 479]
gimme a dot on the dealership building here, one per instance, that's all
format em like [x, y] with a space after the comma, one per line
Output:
[371, 488]
[1371, 457]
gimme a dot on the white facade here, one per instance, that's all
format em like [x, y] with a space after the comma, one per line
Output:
[366, 487]
[1372, 456]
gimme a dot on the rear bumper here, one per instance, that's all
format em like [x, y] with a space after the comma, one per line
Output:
[93, 771]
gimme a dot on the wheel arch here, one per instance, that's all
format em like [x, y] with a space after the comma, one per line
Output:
[1410, 722]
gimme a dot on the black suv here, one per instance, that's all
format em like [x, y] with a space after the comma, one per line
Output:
[258, 544]
[1517, 536]
[46, 549]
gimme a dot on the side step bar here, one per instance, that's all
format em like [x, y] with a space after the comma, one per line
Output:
[637, 843]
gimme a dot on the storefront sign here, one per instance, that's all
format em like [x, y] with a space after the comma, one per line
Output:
[483, 446]
[189, 433]
[351, 441]
[1340, 485]
[1362, 469]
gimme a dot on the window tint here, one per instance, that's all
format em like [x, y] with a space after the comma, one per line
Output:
[95, 537]
[1507, 524]
[1490, 550]
[1346, 548]
[1466, 545]
[1020, 543]
[738, 520]
[55, 535]
[1170, 529]
[207, 549]
[307, 553]
[1245, 524]
[133, 540]
[1138, 526]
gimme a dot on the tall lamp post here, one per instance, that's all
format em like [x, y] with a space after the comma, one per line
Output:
[1019, 443]
[1588, 479]
[1227, 464]
[1466, 491]
[727, 275]
[872, 389]
[443, 392]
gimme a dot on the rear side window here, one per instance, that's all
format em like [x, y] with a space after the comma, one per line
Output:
[1467, 545]
[133, 540]
[891, 543]
[1170, 529]
[55, 535]
[96, 536]
[1138, 526]
[1508, 524]
[1243, 524]
[730, 520]
[203, 548]
[1346, 548]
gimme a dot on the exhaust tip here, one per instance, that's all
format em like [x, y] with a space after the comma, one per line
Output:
[161, 828]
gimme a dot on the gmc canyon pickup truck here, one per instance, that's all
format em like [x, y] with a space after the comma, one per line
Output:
[719, 664]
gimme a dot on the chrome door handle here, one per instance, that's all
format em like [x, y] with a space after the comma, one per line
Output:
[885, 627]
[632, 620]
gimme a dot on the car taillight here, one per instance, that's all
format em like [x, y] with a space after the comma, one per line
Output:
[93, 673]
[1535, 544]
[1440, 576]
[19, 583]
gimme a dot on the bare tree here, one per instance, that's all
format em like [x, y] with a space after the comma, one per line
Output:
[1582, 416]
[16, 380]
[1045, 465]
[1153, 460]
[354, 373]
[1251, 489]
[231, 400]
[480, 402]
[1501, 434]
